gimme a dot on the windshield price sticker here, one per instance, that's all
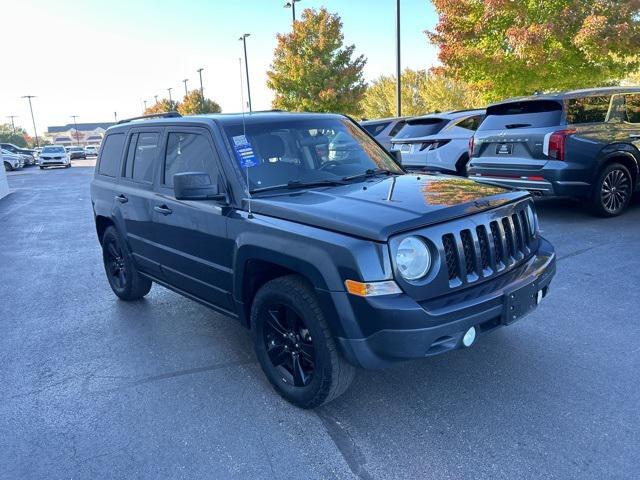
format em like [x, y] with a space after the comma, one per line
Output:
[244, 152]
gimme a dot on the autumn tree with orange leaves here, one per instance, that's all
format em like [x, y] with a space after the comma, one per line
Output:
[517, 47]
[313, 70]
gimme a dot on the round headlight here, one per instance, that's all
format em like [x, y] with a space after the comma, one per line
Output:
[413, 258]
[532, 220]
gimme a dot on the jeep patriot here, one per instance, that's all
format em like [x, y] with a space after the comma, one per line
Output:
[304, 229]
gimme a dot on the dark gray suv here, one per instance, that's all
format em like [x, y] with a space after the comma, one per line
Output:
[582, 143]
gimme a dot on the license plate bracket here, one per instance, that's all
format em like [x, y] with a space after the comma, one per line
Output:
[504, 149]
[521, 301]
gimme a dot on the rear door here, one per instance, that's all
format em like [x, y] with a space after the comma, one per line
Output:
[196, 255]
[134, 198]
[413, 139]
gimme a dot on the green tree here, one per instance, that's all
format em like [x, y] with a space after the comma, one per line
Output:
[19, 138]
[313, 70]
[504, 48]
[192, 104]
[422, 93]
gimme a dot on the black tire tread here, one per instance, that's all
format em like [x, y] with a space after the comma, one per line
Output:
[342, 373]
[138, 286]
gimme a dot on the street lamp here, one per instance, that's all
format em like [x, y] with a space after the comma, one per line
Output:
[115, 116]
[155, 97]
[201, 91]
[398, 68]
[292, 6]
[246, 66]
[186, 92]
[144, 102]
[75, 125]
[13, 125]
[170, 100]
[29, 97]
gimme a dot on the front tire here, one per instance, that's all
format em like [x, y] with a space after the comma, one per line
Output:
[294, 345]
[612, 191]
[125, 281]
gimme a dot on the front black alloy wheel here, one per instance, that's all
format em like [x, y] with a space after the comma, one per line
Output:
[124, 279]
[294, 346]
[613, 191]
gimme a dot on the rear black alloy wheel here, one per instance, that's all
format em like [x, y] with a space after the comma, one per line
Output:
[124, 279]
[294, 346]
[614, 191]
[289, 344]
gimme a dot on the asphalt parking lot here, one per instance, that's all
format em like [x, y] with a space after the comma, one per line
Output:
[93, 387]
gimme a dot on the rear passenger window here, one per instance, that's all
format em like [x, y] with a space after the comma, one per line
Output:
[632, 108]
[145, 153]
[396, 128]
[188, 152]
[110, 155]
[588, 109]
[471, 123]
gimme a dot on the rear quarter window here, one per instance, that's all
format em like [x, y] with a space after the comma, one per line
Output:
[111, 154]
[632, 108]
[588, 109]
[525, 114]
[375, 128]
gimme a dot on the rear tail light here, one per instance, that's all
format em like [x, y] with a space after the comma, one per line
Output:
[471, 145]
[555, 144]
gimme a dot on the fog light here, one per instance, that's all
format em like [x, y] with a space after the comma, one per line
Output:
[469, 337]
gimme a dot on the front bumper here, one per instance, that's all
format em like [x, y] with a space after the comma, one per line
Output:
[51, 162]
[416, 330]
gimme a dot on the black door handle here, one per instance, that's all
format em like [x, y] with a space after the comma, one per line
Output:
[122, 199]
[163, 209]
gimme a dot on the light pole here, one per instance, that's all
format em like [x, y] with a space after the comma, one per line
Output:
[170, 100]
[13, 125]
[115, 116]
[201, 91]
[144, 102]
[186, 92]
[398, 68]
[155, 97]
[246, 66]
[75, 126]
[29, 97]
[292, 6]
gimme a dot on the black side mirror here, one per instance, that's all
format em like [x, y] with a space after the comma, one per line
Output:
[195, 186]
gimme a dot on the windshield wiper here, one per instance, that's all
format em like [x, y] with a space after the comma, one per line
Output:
[371, 172]
[298, 184]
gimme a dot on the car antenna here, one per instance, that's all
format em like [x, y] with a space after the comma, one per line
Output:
[244, 133]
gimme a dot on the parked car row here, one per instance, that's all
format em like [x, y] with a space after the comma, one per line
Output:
[582, 143]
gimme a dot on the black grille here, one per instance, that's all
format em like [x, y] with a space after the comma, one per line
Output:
[487, 249]
[483, 240]
[469, 251]
[451, 256]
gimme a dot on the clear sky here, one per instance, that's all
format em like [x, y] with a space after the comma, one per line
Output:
[93, 57]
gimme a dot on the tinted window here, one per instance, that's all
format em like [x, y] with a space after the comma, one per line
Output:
[188, 152]
[144, 156]
[131, 150]
[421, 127]
[375, 128]
[471, 123]
[632, 108]
[111, 154]
[397, 127]
[588, 109]
[53, 150]
[525, 114]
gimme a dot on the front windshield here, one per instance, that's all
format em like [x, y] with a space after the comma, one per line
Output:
[305, 151]
[53, 150]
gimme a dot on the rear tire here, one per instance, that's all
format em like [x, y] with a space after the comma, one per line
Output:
[462, 165]
[294, 345]
[8, 167]
[125, 281]
[612, 191]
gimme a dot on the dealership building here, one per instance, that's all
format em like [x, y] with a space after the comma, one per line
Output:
[87, 133]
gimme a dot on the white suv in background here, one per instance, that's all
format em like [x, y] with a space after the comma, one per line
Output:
[91, 151]
[54, 156]
[438, 141]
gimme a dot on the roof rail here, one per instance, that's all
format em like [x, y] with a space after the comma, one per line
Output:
[171, 114]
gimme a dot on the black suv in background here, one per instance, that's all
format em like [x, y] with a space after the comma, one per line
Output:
[582, 143]
[333, 257]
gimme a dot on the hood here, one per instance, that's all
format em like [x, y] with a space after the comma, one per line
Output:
[380, 207]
